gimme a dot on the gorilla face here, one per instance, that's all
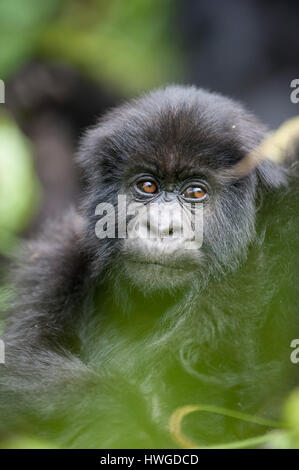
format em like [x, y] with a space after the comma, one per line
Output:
[172, 155]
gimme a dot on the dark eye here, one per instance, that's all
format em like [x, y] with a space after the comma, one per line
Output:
[194, 192]
[148, 187]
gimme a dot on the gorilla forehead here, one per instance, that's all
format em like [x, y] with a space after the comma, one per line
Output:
[176, 130]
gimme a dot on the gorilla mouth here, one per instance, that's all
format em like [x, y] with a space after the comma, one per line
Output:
[160, 264]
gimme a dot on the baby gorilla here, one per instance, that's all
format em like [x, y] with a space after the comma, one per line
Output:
[119, 317]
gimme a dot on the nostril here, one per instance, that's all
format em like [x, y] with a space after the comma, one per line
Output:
[170, 232]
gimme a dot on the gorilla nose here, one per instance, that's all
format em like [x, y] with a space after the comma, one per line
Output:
[164, 227]
[166, 231]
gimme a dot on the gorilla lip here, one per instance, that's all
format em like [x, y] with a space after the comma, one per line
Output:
[157, 263]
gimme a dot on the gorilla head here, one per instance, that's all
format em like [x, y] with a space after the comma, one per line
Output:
[175, 156]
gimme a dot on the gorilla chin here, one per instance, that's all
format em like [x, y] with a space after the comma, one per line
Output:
[159, 272]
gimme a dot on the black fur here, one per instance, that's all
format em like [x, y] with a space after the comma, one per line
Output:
[92, 358]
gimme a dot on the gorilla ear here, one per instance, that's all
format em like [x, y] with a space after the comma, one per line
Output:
[271, 175]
